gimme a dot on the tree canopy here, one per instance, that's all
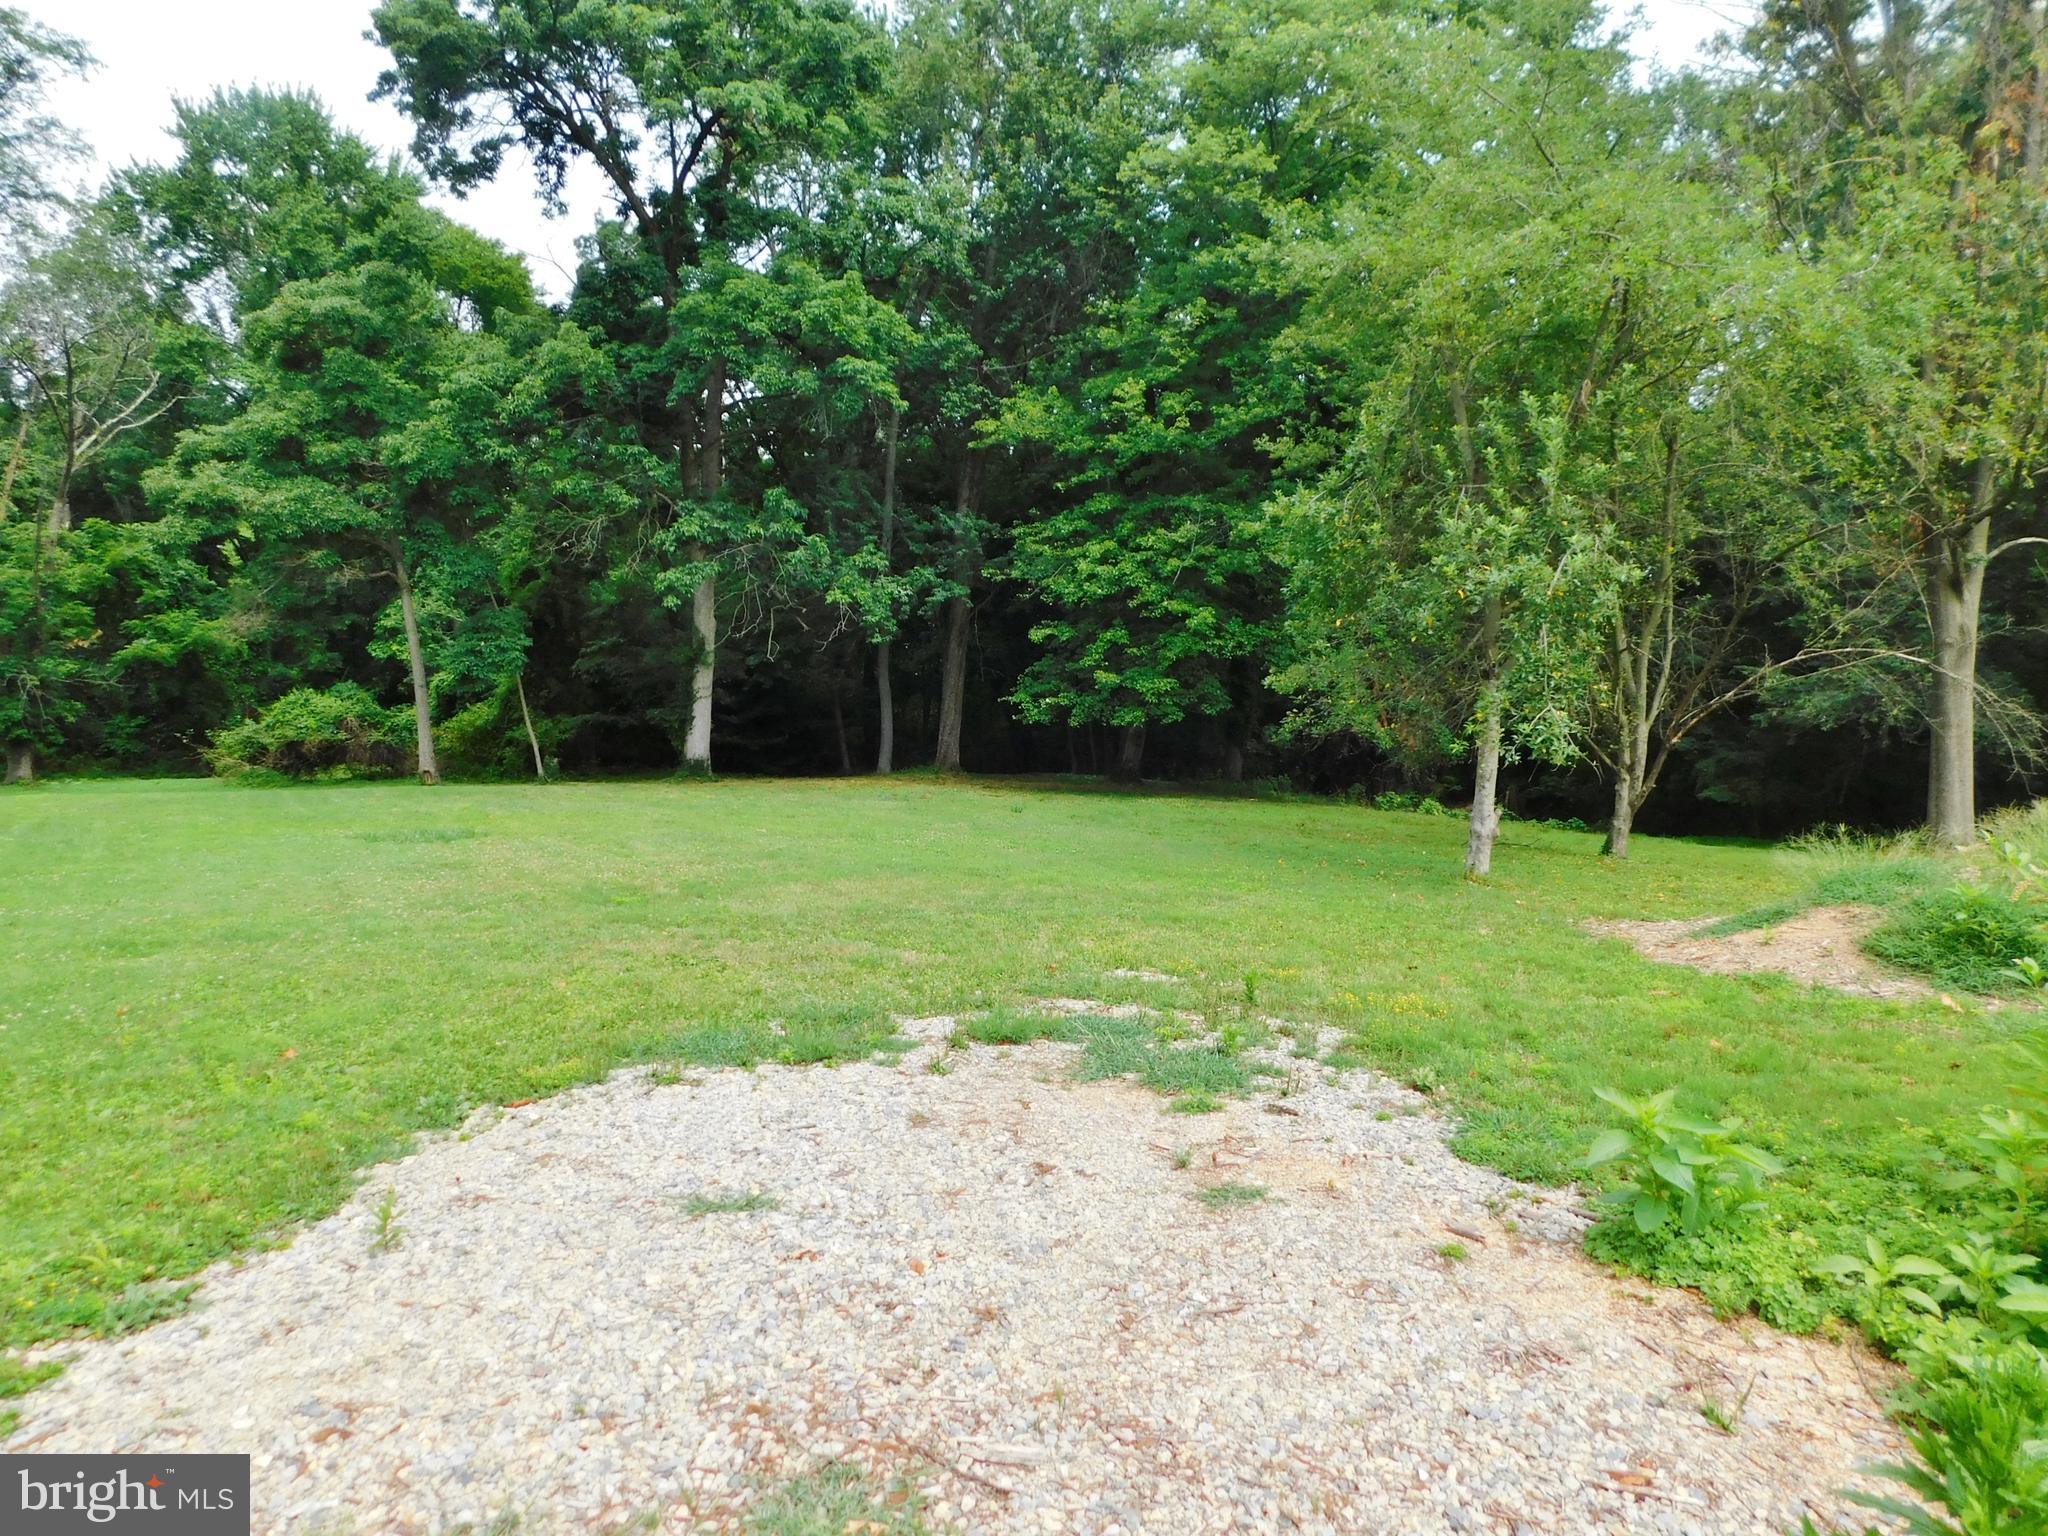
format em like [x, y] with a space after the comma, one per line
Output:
[1382, 396]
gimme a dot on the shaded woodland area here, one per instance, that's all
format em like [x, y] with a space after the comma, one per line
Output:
[1383, 396]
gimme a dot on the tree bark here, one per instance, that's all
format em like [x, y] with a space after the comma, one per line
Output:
[839, 731]
[1130, 757]
[1485, 819]
[540, 770]
[13, 468]
[704, 601]
[1623, 818]
[953, 686]
[422, 709]
[21, 763]
[953, 672]
[885, 688]
[1955, 582]
[885, 706]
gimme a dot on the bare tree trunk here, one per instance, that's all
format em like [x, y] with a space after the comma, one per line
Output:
[885, 689]
[422, 710]
[1485, 821]
[885, 706]
[953, 685]
[1955, 583]
[953, 672]
[1130, 757]
[540, 770]
[704, 626]
[21, 763]
[60, 513]
[13, 468]
[1622, 821]
[704, 601]
[839, 731]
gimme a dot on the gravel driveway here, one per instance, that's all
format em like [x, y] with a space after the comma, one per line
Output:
[999, 1284]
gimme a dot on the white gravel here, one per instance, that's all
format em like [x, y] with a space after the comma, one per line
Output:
[994, 1283]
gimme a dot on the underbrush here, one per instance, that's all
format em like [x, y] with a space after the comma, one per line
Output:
[1941, 1264]
[1969, 923]
[1848, 868]
[309, 734]
[1969, 937]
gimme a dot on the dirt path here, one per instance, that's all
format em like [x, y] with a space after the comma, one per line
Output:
[999, 1283]
[1820, 946]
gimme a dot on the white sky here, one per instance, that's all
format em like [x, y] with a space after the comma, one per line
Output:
[151, 51]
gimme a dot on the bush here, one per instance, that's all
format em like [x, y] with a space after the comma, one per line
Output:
[341, 733]
[1967, 937]
[1401, 800]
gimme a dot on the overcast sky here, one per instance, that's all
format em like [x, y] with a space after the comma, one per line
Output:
[150, 51]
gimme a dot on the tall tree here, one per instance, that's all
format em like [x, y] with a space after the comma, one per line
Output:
[34, 147]
[341, 451]
[690, 111]
[1904, 154]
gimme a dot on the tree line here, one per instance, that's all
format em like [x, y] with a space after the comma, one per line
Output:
[1403, 393]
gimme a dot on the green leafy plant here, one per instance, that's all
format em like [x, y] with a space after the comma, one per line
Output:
[1882, 1276]
[339, 733]
[1980, 1443]
[1675, 1166]
[388, 1234]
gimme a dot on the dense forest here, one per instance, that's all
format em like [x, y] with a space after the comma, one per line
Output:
[1399, 396]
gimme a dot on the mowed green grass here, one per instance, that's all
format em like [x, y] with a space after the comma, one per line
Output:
[217, 1004]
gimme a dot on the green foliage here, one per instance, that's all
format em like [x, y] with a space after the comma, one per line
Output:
[1980, 1439]
[1675, 1165]
[696, 1206]
[834, 1500]
[1969, 937]
[1012, 1026]
[339, 733]
[1223, 1196]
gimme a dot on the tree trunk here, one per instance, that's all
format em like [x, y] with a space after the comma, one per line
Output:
[60, 513]
[885, 706]
[1623, 819]
[953, 673]
[13, 468]
[953, 685]
[540, 770]
[422, 710]
[839, 732]
[1130, 757]
[21, 763]
[1955, 596]
[704, 601]
[885, 689]
[704, 626]
[1485, 821]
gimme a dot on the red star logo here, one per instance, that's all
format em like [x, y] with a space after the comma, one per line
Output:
[155, 1481]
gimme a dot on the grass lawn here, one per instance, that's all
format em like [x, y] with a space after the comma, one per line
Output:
[216, 1004]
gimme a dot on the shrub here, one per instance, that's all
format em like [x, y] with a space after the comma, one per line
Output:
[341, 733]
[1401, 800]
[1675, 1165]
[1980, 1441]
[1968, 937]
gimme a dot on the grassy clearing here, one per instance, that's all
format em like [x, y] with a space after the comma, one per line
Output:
[216, 1005]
